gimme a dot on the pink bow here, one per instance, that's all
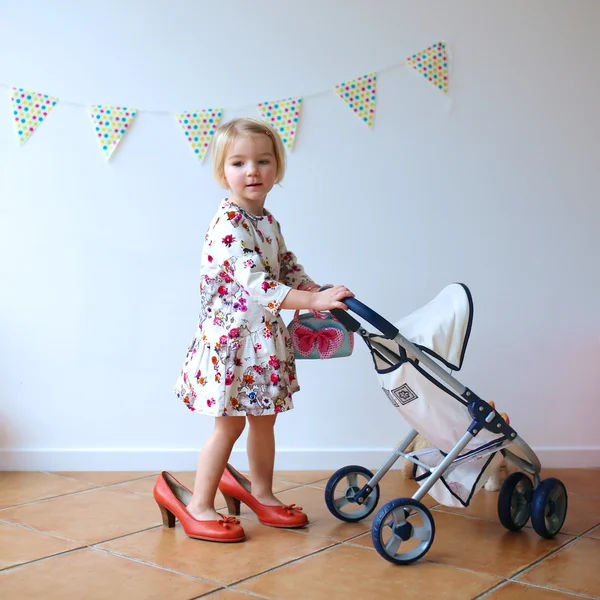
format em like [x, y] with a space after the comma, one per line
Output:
[327, 340]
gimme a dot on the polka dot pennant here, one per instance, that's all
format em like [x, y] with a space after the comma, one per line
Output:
[111, 124]
[360, 95]
[432, 63]
[30, 109]
[199, 127]
[284, 116]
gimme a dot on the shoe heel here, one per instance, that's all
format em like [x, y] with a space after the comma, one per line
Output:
[233, 504]
[168, 518]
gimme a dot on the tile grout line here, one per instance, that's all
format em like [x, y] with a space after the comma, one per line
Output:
[492, 590]
[118, 537]
[285, 564]
[228, 586]
[544, 558]
[156, 566]
[95, 488]
[92, 489]
[560, 591]
[513, 578]
[48, 498]
[30, 528]
[99, 484]
[440, 508]
[83, 545]
[36, 560]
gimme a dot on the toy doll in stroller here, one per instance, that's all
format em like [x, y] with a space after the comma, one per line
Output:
[412, 359]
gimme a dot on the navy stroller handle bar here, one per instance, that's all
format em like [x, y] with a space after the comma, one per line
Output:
[364, 312]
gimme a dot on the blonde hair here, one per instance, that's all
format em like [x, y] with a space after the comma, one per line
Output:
[228, 132]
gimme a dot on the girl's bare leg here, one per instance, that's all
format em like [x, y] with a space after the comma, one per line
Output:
[261, 456]
[211, 464]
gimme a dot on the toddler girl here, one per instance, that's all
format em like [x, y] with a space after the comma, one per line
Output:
[240, 364]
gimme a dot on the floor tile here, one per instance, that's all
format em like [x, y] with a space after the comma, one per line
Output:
[322, 522]
[582, 514]
[517, 591]
[21, 545]
[351, 572]
[302, 477]
[96, 575]
[392, 485]
[89, 517]
[264, 548]
[595, 533]
[582, 482]
[483, 546]
[106, 477]
[574, 569]
[18, 487]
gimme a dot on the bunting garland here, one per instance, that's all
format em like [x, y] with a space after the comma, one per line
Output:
[30, 109]
[432, 63]
[111, 123]
[283, 115]
[199, 127]
[360, 94]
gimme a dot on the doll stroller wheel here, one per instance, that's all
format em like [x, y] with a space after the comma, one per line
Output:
[342, 490]
[549, 507]
[403, 531]
[514, 501]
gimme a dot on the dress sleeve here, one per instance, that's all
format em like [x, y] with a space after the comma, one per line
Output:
[233, 245]
[291, 272]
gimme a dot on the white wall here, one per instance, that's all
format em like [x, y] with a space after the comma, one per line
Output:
[497, 187]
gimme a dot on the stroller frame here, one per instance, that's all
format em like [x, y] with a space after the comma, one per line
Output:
[545, 502]
[484, 417]
[483, 414]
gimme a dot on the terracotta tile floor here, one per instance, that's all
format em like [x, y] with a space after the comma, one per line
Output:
[99, 536]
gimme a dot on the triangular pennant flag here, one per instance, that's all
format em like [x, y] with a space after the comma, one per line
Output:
[432, 63]
[361, 95]
[29, 110]
[284, 116]
[111, 123]
[199, 126]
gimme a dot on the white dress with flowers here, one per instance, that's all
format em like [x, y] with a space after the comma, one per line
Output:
[241, 360]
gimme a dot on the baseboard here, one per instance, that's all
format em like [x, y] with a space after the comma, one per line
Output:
[288, 459]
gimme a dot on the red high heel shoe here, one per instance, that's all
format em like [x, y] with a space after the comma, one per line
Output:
[236, 488]
[172, 498]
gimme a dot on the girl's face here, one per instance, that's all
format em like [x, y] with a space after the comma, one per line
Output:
[250, 171]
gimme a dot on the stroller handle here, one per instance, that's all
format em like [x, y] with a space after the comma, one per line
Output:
[366, 313]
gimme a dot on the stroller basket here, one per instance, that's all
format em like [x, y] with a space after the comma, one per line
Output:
[469, 437]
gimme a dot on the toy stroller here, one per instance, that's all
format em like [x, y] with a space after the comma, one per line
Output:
[467, 433]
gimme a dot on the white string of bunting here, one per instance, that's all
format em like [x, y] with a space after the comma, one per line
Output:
[111, 123]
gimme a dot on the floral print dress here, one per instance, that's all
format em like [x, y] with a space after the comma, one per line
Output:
[241, 360]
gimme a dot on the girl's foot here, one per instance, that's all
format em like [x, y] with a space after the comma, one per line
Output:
[268, 500]
[209, 514]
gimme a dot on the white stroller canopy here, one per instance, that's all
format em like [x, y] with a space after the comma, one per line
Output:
[442, 327]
